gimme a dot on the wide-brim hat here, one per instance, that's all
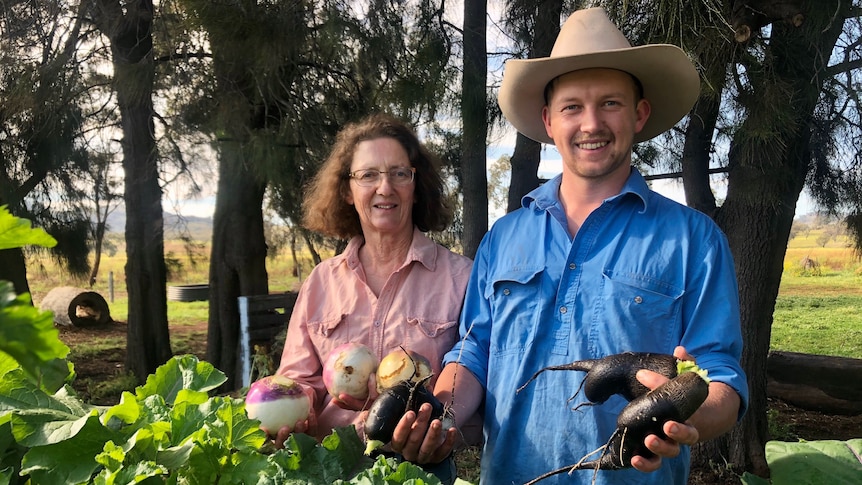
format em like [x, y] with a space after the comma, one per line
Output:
[588, 39]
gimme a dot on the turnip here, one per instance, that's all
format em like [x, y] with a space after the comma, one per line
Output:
[277, 401]
[615, 374]
[347, 370]
[402, 365]
[675, 400]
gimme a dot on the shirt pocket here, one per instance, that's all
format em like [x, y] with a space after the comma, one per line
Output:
[324, 328]
[514, 297]
[430, 327]
[636, 312]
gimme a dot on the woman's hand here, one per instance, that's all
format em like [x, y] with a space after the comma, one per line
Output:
[307, 426]
[350, 403]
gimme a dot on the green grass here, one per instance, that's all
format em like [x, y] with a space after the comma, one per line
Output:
[96, 347]
[829, 325]
[819, 309]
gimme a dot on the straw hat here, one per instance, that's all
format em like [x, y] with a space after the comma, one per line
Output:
[589, 39]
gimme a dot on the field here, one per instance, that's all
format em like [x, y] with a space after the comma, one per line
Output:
[819, 310]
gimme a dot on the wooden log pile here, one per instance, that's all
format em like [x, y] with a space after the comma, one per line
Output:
[828, 384]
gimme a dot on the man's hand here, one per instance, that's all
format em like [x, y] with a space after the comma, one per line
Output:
[677, 433]
[419, 439]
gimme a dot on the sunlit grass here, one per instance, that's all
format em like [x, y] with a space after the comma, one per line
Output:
[830, 325]
[819, 306]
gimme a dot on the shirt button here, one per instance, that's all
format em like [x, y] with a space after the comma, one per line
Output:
[376, 323]
[572, 266]
[638, 300]
[563, 309]
[506, 292]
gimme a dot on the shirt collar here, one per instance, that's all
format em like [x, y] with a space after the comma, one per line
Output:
[422, 249]
[547, 196]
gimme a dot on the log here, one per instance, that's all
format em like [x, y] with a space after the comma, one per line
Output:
[823, 383]
[76, 307]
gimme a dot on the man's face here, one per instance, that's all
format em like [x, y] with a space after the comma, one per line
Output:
[592, 115]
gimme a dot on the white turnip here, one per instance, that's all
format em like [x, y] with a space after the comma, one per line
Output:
[277, 401]
[402, 365]
[347, 370]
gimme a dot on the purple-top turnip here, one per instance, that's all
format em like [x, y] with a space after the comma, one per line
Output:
[347, 370]
[277, 401]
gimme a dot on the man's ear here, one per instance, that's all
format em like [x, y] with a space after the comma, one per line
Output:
[546, 120]
[642, 112]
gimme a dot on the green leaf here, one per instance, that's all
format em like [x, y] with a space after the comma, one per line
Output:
[28, 335]
[826, 462]
[16, 232]
[126, 412]
[11, 455]
[388, 470]
[233, 426]
[70, 460]
[143, 472]
[184, 372]
[252, 467]
[752, 479]
[344, 447]
[32, 411]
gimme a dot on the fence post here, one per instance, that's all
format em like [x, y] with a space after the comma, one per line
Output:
[245, 351]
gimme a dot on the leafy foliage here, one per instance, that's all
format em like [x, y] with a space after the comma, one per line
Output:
[812, 462]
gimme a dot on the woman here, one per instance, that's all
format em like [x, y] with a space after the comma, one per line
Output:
[392, 287]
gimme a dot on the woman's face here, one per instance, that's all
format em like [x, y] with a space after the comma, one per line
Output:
[384, 202]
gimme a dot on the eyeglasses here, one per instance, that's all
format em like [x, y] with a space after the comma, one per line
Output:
[371, 177]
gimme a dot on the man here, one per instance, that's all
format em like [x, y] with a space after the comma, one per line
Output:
[593, 264]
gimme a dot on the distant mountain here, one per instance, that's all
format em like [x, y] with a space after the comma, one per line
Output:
[198, 228]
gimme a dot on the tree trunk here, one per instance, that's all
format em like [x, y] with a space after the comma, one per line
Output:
[14, 270]
[766, 175]
[528, 153]
[474, 115]
[525, 170]
[237, 264]
[129, 28]
[696, 153]
[98, 240]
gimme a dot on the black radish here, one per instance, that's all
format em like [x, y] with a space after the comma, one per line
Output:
[615, 374]
[390, 406]
[408, 393]
[676, 400]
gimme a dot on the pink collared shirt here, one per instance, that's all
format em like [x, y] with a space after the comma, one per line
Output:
[417, 308]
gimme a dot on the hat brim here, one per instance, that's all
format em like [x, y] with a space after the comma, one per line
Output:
[670, 83]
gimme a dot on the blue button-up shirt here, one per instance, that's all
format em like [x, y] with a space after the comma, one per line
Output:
[642, 274]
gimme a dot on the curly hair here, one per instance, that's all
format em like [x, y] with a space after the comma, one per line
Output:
[325, 209]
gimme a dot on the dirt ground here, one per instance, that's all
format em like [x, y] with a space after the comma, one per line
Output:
[104, 365]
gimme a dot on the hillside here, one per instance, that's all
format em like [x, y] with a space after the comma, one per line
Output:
[176, 226]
